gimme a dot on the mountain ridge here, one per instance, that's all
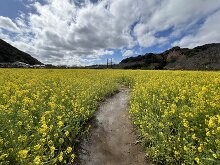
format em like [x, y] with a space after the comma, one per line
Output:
[10, 54]
[205, 57]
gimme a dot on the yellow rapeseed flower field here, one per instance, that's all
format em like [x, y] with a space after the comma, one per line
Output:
[178, 114]
[42, 113]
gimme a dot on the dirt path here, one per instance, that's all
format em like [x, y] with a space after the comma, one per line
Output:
[112, 139]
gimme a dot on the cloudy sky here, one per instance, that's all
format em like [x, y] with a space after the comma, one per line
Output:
[85, 32]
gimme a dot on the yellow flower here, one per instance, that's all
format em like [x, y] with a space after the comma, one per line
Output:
[204, 89]
[60, 123]
[59, 117]
[43, 140]
[37, 160]
[3, 156]
[197, 160]
[23, 154]
[19, 123]
[37, 147]
[215, 156]
[22, 138]
[185, 148]
[67, 133]
[52, 149]
[200, 149]
[166, 106]
[194, 136]
[69, 149]
[173, 108]
[72, 157]
[43, 128]
[208, 133]
[176, 153]
[60, 157]
[185, 123]
[211, 122]
[50, 142]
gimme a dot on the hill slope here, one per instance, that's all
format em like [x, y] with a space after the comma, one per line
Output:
[10, 54]
[206, 57]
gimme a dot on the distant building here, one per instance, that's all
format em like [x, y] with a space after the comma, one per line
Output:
[5, 65]
[38, 66]
[18, 64]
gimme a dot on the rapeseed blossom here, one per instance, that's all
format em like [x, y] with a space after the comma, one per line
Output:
[43, 111]
[22, 154]
[178, 114]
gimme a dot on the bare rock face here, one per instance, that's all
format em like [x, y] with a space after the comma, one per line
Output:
[206, 57]
[10, 54]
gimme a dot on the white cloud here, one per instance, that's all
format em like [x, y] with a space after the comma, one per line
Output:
[208, 33]
[7, 24]
[127, 53]
[148, 39]
[178, 15]
[103, 52]
[64, 32]
[80, 31]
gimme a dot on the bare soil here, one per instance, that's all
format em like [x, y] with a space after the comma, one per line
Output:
[112, 139]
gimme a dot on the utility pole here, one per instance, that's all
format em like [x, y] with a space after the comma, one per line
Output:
[107, 63]
[111, 62]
